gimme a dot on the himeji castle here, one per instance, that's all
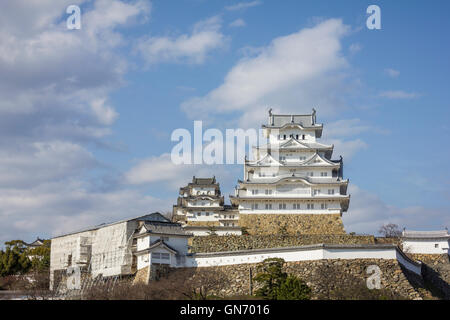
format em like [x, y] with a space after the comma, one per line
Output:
[293, 185]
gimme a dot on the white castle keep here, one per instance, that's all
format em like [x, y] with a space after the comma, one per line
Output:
[293, 173]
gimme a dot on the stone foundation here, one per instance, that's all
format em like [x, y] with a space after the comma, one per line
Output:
[234, 242]
[294, 224]
[430, 259]
[142, 276]
[328, 279]
[436, 272]
[204, 223]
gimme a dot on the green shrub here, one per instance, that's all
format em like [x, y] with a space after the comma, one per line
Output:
[293, 288]
[277, 285]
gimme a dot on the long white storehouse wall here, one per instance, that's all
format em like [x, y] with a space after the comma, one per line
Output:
[426, 246]
[305, 253]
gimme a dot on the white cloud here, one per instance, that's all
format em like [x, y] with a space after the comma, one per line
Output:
[55, 88]
[347, 148]
[105, 114]
[399, 94]
[392, 72]
[354, 48]
[54, 208]
[243, 5]
[188, 48]
[367, 212]
[238, 23]
[162, 171]
[41, 162]
[345, 127]
[304, 66]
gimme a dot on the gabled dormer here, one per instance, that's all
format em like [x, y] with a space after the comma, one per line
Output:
[267, 161]
[318, 160]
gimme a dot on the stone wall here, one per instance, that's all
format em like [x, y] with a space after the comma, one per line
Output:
[436, 272]
[203, 223]
[430, 259]
[260, 224]
[142, 276]
[233, 242]
[326, 278]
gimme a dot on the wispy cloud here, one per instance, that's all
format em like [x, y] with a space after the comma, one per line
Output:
[190, 48]
[243, 5]
[238, 23]
[399, 94]
[367, 212]
[354, 48]
[292, 68]
[392, 72]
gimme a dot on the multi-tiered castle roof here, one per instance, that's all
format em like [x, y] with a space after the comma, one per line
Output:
[293, 173]
[200, 207]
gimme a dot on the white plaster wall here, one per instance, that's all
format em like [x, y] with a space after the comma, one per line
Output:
[310, 135]
[245, 206]
[304, 255]
[206, 191]
[408, 265]
[218, 232]
[426, 246]
[178, 243]
[143, 260]
[143, 243]
[213, 216]
[203, 203]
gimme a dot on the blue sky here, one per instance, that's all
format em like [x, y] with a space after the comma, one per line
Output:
[87, 114]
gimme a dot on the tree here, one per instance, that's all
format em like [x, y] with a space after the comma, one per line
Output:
[14, 260]
[278, 285]
[293, 288]
[271, 277]
[18, 259]
[390, 230]
[40, 257]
